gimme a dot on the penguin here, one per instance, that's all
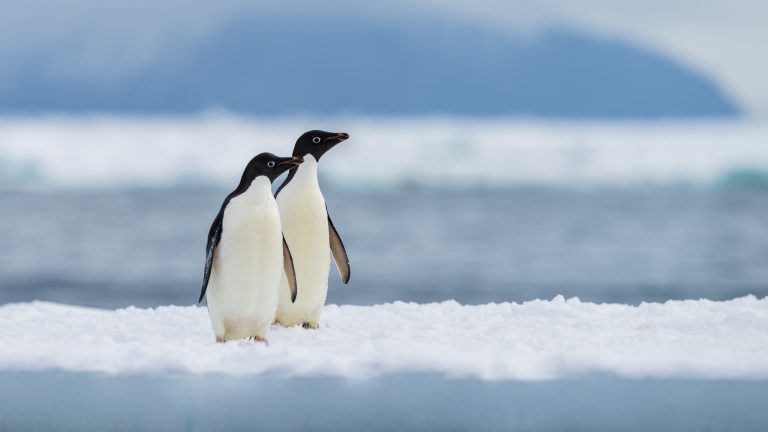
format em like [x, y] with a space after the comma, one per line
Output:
[246, 255]
[309, 232]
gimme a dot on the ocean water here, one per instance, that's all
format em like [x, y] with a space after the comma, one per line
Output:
[112, 212]
[146, 247]
[400, 402]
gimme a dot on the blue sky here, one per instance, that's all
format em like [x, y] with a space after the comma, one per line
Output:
[106, 40]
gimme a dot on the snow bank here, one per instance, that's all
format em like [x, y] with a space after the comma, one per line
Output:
[530, 341]
[96, 152]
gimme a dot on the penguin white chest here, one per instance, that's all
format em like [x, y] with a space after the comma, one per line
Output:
[305, 227]
[243, 291]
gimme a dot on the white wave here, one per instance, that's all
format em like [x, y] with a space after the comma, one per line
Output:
[530, 341]
[212, 149]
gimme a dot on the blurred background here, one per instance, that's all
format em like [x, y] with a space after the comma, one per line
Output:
[500, 150]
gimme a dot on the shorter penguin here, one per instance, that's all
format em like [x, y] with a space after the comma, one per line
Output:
[246, 255]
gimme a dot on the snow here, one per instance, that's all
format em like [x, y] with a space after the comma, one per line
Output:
[536, 340]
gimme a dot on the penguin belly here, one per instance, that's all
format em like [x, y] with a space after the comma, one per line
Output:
[243, 289]
[305, 227]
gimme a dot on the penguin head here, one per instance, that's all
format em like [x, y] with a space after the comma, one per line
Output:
[317, 142]
[269, 165]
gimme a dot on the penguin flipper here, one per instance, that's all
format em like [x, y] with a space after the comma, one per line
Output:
[290, 271]
[338, 251]
[214, 235]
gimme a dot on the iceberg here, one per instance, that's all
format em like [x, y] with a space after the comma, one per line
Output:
[211, 149]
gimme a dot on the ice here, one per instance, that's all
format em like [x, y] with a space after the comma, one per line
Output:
[535, 340]
[212, 149]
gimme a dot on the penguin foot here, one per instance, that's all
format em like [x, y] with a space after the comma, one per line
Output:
[258, 339]
[220, 339]
[311, 325]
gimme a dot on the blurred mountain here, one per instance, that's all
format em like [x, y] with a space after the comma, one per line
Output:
[274, 64]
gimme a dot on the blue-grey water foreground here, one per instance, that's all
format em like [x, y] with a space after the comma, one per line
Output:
[622, 245]
[88, 402]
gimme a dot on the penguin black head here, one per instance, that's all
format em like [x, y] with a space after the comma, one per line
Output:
[317, 142]
[269, 165]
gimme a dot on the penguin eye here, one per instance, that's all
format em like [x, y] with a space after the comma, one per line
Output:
[271, 164]
[316, 140]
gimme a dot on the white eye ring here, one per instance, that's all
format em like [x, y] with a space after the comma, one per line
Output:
[271, 164]
[316, 140]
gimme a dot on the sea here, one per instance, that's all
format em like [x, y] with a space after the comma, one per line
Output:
[109, 211]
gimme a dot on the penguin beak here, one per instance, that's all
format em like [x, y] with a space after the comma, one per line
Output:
[292, 162]
[339, 137]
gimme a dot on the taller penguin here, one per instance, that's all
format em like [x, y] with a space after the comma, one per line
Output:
[309, 233]
[246, 255]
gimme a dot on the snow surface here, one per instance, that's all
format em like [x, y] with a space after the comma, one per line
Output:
[534, 340]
